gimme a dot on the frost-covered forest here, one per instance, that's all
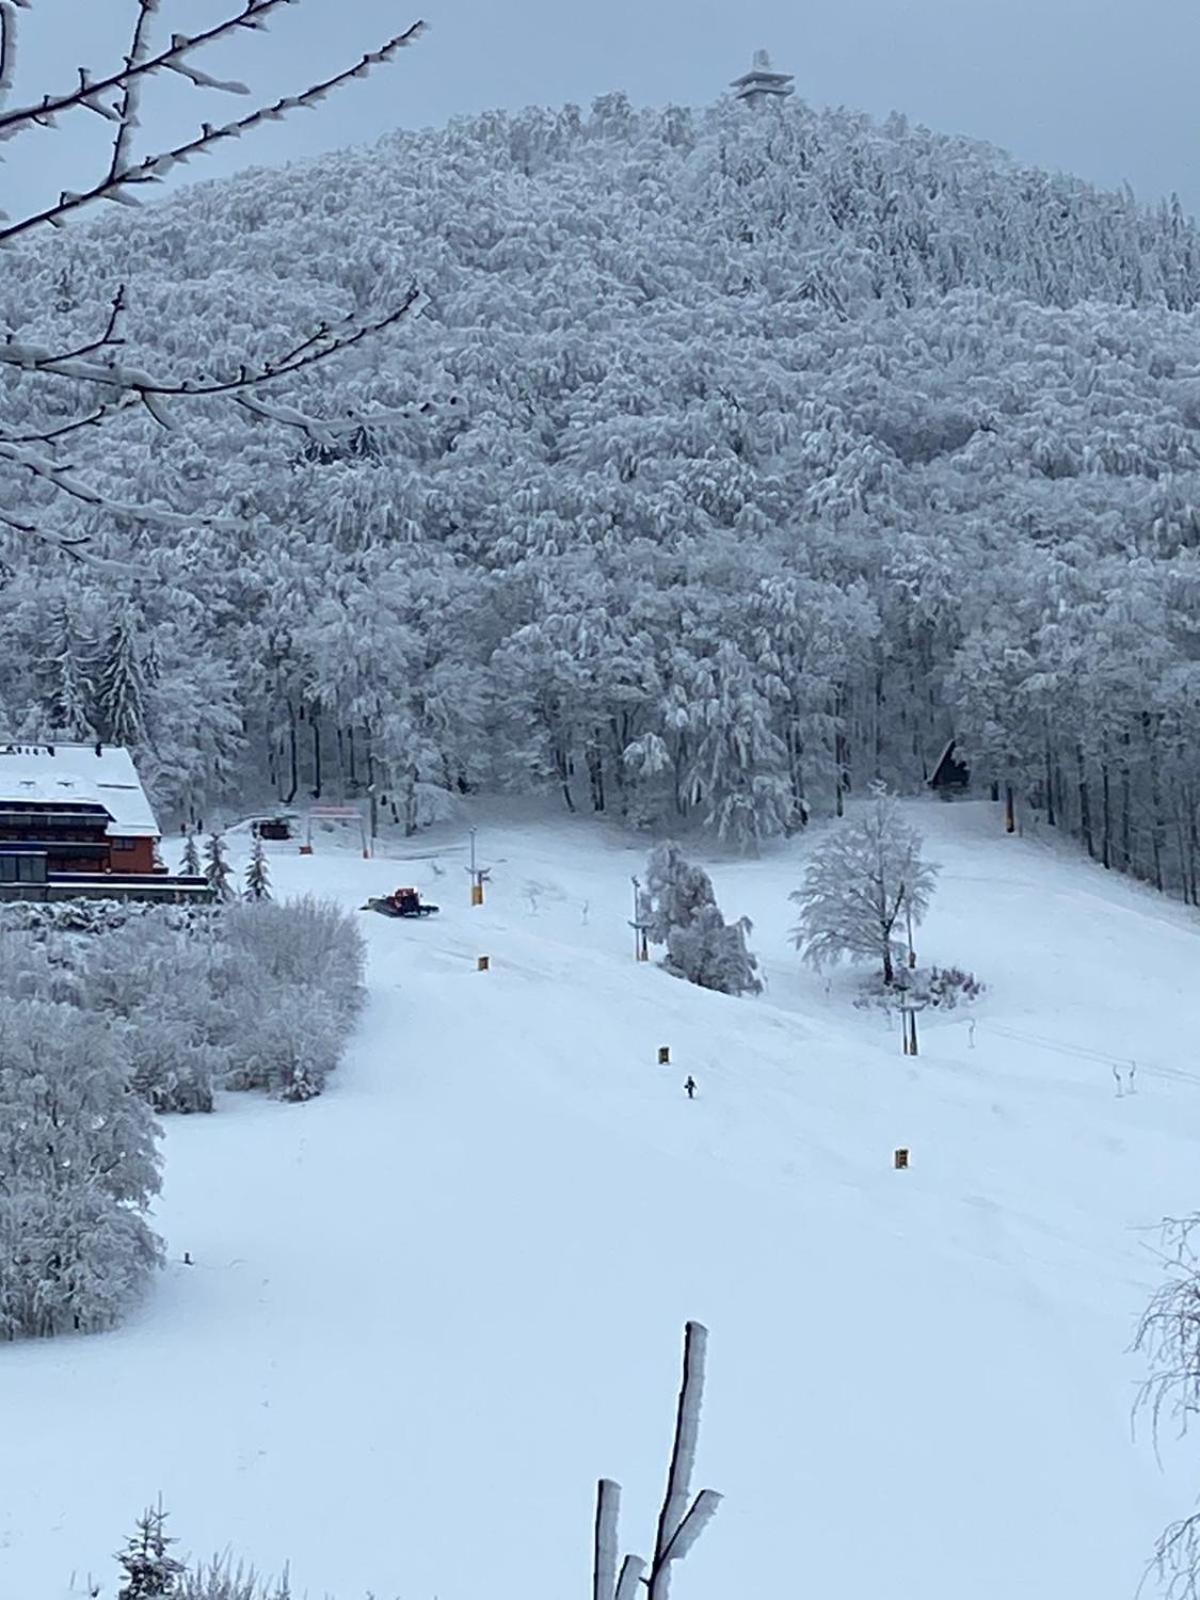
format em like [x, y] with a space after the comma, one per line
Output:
[736, 459]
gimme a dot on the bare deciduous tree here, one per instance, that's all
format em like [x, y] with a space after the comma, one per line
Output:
[1169, 1336]
[679, 1524]
[112, 96]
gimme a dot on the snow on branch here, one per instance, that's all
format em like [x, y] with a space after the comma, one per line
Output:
[679, 1524]
[115, 98]
[118, 182]
[253, 15]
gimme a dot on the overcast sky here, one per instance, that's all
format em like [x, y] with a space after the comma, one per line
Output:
[1101, 88]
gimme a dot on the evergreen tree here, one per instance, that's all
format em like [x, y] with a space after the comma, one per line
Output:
[258, 879]
[191, 855]
[216, 866]
[150, 1572]
[679, 909]
[866, 878]
[119, 687]
[69, 708]
[675, 892]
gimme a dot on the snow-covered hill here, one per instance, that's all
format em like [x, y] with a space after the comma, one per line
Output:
[429, 1309]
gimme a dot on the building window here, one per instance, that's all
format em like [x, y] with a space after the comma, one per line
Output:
[22, 869]
[123, 844]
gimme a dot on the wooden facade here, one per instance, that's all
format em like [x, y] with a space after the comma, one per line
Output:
[75, 820]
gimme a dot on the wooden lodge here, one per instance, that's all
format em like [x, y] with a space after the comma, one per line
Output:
[75, 823]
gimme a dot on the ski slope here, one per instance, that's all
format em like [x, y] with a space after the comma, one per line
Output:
[428, 1310]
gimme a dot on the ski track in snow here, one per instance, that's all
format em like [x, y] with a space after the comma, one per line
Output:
[429, 1309]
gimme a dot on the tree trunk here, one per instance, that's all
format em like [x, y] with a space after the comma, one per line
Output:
[1051, 814]
[595, 765]
[1085, 807]
[1106, 841]
[562, 768]
[1010, 810]
[315, 724]
[292, 752]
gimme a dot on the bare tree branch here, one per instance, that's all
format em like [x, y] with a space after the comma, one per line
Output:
[131, 88]
[679, 1525]
[115, 185]
[1169, 1336]
[96, 362]
[20, 118]
[8, 43]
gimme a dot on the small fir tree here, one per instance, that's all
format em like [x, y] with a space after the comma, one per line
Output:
[258, 879]
[119, 687]
[216, 866]
[150, 1572]
[191, 855]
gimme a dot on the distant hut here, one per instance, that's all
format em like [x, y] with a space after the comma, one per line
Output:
[951, 775]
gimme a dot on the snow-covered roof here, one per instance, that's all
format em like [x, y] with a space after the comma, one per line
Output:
[88, 774]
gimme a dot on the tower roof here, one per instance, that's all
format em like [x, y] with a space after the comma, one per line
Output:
[761, 80]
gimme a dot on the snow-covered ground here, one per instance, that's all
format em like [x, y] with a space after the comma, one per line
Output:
[428, 1310]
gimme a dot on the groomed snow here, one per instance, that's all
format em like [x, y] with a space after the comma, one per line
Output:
[429, 1309]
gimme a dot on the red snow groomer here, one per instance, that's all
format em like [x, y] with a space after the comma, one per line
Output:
[401, 903]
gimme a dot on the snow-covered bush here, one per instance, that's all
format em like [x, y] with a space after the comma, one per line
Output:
[288, 1048]
[678, 908]
[288, 983]
[865, 880]
[307, 945]
[947, 987]
[78, 1166]
[219, 1579]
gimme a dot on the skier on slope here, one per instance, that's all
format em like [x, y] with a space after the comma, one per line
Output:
[690, 1086]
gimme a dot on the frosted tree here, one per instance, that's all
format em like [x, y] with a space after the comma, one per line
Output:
[190, 864]
[258, 878]
[678, 908]
[712, 953]
[150, 1571]
[110, 381]
[119, 687]
[69, 711]
[865, 879]
[78, 1167]
[675, 892]
[216, 866]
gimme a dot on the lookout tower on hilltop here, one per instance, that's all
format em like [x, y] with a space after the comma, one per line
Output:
[760, 84]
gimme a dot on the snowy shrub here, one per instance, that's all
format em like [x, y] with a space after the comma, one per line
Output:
[153, 978]
[220, 1580]
[866, 878]
[78, 1166]
[948, 987]
[288, 981]
[288, 1047]
[678, 908]
[306, 944]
